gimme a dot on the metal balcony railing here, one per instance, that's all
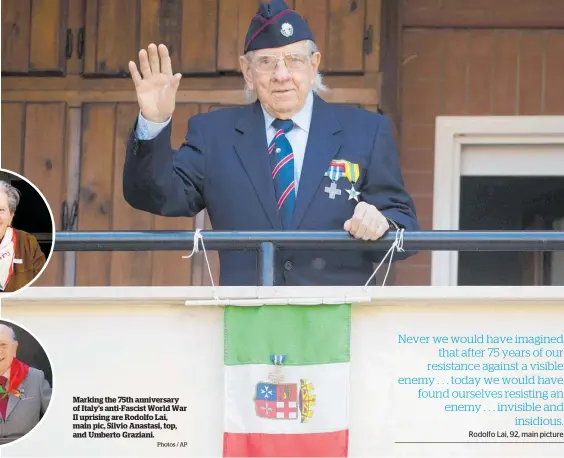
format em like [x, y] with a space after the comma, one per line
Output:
[267, 243]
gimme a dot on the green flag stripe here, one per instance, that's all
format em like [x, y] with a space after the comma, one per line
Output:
[306, 334]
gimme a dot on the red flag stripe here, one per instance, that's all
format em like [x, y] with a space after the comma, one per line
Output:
[287, 159]
[285, 194]
[286, 445]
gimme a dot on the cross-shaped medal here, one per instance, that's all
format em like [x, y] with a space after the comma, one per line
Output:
[332, 190]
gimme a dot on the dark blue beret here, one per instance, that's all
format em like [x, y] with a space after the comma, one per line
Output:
[276, 25]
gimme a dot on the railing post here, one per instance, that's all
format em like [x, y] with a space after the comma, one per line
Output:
[266, 258]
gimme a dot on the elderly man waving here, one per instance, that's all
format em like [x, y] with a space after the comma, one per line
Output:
[289, 160]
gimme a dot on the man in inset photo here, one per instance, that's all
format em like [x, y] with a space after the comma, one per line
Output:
[24, 391]
[21, 257]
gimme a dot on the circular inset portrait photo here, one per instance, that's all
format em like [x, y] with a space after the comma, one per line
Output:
[27, 232]
[26, 382]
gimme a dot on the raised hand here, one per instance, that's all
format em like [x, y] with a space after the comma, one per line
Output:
[156, 89]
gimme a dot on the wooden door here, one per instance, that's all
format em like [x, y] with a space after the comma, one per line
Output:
[102, 207]
[33, 145]
[207, 36]
[34, 37]
[115, 31]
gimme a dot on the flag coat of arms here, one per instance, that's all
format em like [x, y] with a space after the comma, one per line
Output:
[286, 380]
[278, 401]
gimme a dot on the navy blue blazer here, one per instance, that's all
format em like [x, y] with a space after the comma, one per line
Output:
[223, 166]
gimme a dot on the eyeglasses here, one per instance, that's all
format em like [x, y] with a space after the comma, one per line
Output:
[267, 63]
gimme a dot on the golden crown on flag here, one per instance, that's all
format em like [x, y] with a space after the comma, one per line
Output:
[307, 400]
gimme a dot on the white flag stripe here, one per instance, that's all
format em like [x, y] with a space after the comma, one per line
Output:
[330, 387]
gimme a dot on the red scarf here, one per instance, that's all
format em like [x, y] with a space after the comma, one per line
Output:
[18, 372]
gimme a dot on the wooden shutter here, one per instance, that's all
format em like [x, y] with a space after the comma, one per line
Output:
[117, 30]
[34, 36]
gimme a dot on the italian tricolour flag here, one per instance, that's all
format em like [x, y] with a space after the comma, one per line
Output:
[287, 380]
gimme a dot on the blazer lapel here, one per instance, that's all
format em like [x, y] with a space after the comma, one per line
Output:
[323, 143]
[252, 149]
[13, 400]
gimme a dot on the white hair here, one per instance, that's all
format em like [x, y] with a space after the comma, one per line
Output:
[10, 330]
[317, 85]
[12, 193]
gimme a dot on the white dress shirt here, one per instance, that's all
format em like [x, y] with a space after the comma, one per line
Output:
[147, 130]
[297, 136]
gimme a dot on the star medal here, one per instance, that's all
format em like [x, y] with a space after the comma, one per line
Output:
[352, 172]
[353, 193]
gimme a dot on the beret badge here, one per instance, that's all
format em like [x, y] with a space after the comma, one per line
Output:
[287, 30]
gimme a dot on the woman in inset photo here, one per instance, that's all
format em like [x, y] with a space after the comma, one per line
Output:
[21, 258]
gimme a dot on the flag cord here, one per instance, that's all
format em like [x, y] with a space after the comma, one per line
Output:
[398, 244]
[195, 249]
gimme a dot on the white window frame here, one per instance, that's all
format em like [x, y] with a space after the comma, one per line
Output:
[454, 134]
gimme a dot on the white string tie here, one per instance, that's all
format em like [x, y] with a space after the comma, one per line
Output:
[198, 237]
[397, 245]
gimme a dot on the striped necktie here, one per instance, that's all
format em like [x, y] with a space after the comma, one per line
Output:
[282, 162]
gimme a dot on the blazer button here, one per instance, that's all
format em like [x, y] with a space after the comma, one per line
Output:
[318, 263]
[288, 265]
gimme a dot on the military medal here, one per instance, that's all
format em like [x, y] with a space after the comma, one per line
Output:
[332, 190]
[335, 171]
[353, 193]
[352, 172]
[276, 375]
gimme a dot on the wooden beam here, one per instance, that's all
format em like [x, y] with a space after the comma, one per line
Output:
[78, 83]
[223, 97]
[227, 90]
[74, 142]
[390, 52]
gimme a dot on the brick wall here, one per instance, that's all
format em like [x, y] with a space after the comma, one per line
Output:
[469, 71]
